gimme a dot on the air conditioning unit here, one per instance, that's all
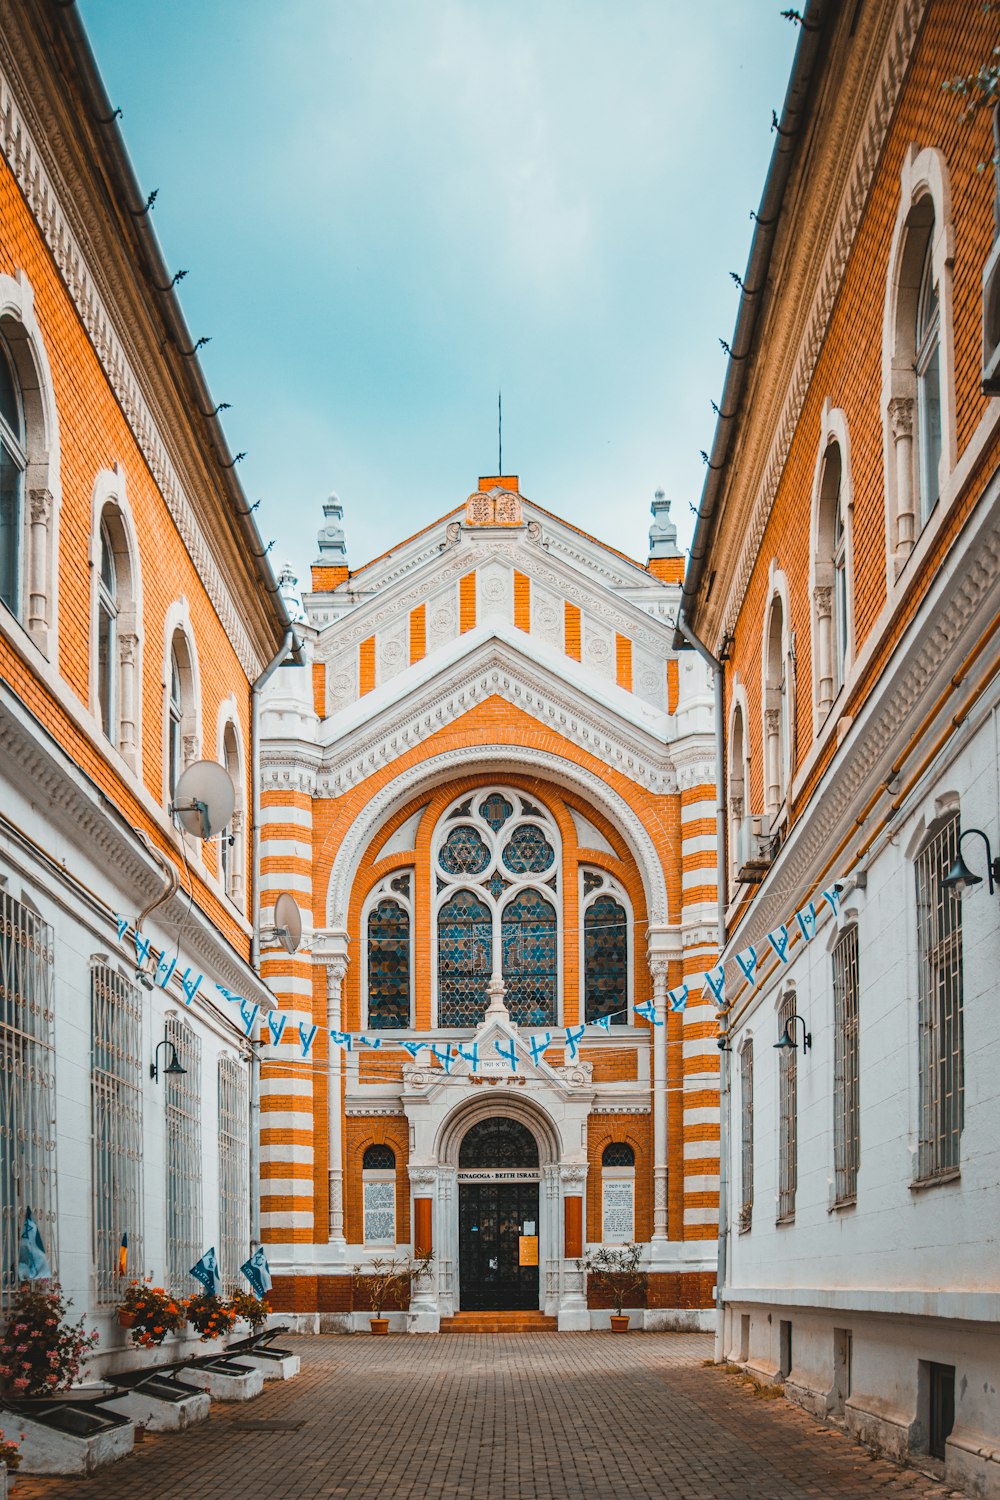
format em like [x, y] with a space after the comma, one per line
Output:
[753, 851]
[991, 322]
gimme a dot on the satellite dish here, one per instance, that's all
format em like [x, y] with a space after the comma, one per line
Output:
[287, 922]
[204, 799]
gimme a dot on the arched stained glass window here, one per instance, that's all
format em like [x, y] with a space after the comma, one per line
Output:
[618, 1154]
[388, 966]
[464, 852]
[528, 934]
[465, 959]
[605, 960]
[528, 851]
[498, 1142]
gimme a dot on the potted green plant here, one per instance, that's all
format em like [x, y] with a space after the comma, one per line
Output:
[385, 1283]
[150, 1312]
[616, 1271]
[39, 1352]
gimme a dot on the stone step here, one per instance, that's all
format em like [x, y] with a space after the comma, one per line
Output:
[515, 1321]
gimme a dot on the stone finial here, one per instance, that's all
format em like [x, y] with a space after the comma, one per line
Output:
[332, 545]
[663, 532]
[288, 585]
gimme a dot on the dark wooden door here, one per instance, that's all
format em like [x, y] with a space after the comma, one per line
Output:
[492, 1218]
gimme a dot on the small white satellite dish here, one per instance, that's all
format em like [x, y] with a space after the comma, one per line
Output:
[204, 799]
[287, 922]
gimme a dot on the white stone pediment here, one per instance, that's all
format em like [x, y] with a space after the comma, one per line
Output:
[621, 730]
[485, 1062]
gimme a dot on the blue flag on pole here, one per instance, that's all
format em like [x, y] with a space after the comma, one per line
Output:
[258, 1272]
[206, 1271]
[32, 1262]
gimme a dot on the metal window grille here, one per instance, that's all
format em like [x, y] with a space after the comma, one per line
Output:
[234, 1170]
[746, 1145]
[939, 957]
[116, 1125]
[27, 1085]
[183, 1120]
[846, 1102]
[788, 1099]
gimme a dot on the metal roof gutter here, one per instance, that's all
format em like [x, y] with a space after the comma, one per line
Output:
[133, 202]
[794, 114]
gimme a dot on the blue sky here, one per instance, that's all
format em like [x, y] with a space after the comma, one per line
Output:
[389, 209]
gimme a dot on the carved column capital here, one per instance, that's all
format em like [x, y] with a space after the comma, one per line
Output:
[900, 411]
[824, 600]
[772, 720]
[40, 503]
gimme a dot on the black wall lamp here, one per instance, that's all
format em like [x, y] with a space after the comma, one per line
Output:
[788, 1040]
[960, 878]
[724, 1044]
[173, 1068]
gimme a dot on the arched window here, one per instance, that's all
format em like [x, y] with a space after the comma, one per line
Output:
[738, 853]
[496, 859]
[378, 1180]
[180, 710]
[831, 580]
[13, 462]
[389, 961]
[777, 710]
[605, 955]
[918, 354]
[498, 1142]
[231, 848]
[618, 1193]
[107, 637]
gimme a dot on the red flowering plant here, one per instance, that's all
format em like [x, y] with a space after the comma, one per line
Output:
[253, 1310]
[150, 1312]
[210, 1315]
[10, 1453]
[39, 1352]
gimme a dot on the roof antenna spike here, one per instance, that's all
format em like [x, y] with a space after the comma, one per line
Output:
[500, 432]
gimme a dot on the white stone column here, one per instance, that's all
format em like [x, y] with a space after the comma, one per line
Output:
[336, 969]
[574, 1315]
[38, 566]
[425, 1316]
[128, 645]
[772, 740]
[824, 634]
[901, 423]
[658, 970]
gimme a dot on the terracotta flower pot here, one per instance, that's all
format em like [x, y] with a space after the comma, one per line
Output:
[126, 1319]
[379, 1325]
[619, 1322]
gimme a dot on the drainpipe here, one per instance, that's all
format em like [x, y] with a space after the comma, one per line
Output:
[290, 646]
[722, 880]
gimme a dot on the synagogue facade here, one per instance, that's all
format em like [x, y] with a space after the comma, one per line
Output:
[493, 798]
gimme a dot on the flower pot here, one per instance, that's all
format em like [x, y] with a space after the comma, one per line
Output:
[379, 1325]
[126, 1319]
[619, 1322]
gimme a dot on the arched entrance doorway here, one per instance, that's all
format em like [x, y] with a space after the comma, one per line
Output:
[498, 1177]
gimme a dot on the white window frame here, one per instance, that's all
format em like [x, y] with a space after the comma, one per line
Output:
[788, 1114]
[746, 1135]
[111, 518]
[831, 581]
[777, 698]
[614, 888]
[182, 1153]
[845, 961]
[231, 842]
[940, 1006]
[234, 1168]
[116, 1082]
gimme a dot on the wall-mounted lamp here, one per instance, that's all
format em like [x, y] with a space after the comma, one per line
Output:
[173, 1067]
[724, 1044]
[788, 1040]
[960, 878]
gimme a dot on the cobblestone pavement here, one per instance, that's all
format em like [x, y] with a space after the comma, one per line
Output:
[494, 1417]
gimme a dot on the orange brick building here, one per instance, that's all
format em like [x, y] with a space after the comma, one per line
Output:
[494, 799]
[846, 575]
[136, 613]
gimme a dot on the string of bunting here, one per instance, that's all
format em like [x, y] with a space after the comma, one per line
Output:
[748, 961]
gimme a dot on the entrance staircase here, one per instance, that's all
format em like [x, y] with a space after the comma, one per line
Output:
[515, 1321]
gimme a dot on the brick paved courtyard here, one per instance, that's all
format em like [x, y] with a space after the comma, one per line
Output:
[532, 1416]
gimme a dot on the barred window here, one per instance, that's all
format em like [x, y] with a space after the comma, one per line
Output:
[939, 957]
[846, 1102]
[788, 1121]
[116, 1125]
[27, 1084]
[183, 1119]
[379, 1193]
[746, 1141]
[234, 1170]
